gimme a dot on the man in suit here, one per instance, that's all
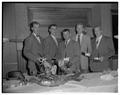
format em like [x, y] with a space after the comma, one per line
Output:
[69, 53]
[103, 49]
[84, 46]
[33, 48]
[51, 43]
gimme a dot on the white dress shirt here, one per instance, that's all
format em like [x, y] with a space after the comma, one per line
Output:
[79, 35]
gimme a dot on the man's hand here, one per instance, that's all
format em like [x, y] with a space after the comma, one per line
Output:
[96, 58]
[54, 69]
[87, 54]
[61, 63]
[101, 59]
[66, 60]
[46, 64]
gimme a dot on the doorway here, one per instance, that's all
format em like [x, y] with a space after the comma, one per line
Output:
[115, 31]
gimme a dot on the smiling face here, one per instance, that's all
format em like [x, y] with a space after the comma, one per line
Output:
[98, 32]
[35, 29]
[53, 30]
[79, 28]
[66, 35]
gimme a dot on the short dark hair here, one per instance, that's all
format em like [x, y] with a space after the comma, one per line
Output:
[50, 27]
[32, 24]
[64, 30]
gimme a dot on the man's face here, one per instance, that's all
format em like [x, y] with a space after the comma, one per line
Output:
[53, 30]
[66, 35]
[35, 28]
[79, 29]
[98, 32]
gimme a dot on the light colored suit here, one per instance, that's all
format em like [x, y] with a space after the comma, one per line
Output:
[106, 50]
[32, 50]
[71, 51]
[85, 47]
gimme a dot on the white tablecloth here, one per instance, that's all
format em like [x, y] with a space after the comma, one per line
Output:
[91, 83]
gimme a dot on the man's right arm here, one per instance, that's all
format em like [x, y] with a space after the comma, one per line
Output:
[27, 51]
[46, 48]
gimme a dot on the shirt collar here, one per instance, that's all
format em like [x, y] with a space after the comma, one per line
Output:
[80, 34]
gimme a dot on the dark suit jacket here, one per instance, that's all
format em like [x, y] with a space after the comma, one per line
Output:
[72, 51]
[105, 49]
[51, 48]
[33, 49]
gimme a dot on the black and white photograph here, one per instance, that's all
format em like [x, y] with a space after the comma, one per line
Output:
[59, 47]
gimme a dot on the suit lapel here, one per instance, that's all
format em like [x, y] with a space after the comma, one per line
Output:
[69, 43]
[68, 48]
[53, 41]
[36, 39]
[82, 40]
[100, 44]
[100, 47]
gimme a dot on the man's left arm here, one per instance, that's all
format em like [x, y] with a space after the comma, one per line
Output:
[110, 48]
[89, 45]
[76, 53]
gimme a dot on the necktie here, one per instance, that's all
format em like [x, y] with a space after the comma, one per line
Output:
[65, 49]
[65, 44]
[97, 43]
[79, 40]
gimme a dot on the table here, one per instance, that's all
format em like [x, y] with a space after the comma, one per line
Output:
[91, 83]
